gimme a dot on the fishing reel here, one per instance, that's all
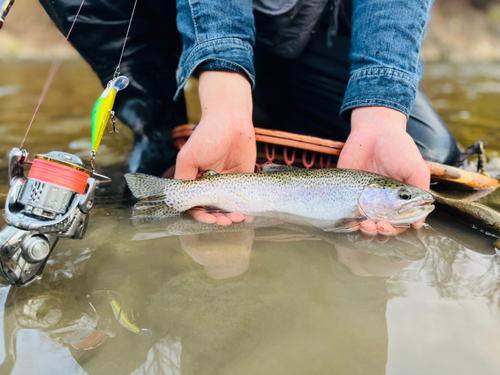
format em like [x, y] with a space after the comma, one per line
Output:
[54, 201]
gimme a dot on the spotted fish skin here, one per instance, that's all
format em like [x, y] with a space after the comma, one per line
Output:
[318, 194]
[322, 197]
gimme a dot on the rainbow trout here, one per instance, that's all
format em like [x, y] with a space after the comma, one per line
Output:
[331, 199]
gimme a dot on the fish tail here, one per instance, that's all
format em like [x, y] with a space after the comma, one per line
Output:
[146, 186]
[151, 192]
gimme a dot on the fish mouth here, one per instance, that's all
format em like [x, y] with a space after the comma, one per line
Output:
[424, 204]
[413, 214]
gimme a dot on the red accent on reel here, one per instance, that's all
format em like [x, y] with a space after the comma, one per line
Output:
[58, 174]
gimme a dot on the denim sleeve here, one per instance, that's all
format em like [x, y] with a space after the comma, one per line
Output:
[217, 34]
[385, 54]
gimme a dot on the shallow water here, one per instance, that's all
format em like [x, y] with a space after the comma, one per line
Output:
[260, 298]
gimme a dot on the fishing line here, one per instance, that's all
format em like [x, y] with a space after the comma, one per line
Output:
[52, 72]
[56, 63]
[103, 109]
[74, 21]
[117, 70]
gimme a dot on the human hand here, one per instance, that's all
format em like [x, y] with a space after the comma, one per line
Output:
[224, 140]
[224, 254]
[364, 264]
[379, 143]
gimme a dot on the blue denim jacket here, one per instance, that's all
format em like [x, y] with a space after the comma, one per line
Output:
[385, 46]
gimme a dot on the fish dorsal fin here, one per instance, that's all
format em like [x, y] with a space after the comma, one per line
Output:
[208, 173]
[275, 168]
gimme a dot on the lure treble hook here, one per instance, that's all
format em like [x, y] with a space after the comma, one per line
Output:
[113, 121]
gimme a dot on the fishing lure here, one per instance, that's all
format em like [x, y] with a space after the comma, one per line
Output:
[122, 318]
[103, 110]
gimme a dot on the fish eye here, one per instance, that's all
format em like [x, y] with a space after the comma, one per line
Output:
[404, 194]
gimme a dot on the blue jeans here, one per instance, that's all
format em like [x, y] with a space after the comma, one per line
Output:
[384, 49]
[305, 96]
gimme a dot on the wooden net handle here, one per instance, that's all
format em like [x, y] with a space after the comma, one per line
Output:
[446, 173]
[439, 172]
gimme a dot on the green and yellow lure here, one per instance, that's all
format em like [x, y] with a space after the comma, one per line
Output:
[122, 318]
[103, 110]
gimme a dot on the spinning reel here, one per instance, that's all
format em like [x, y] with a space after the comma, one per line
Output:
[54, 201]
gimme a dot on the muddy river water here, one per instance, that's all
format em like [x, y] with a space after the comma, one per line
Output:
[259, 299]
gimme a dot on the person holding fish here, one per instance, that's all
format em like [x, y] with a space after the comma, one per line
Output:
[338, 69]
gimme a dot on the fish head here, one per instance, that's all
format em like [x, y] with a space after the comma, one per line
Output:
[385, 199]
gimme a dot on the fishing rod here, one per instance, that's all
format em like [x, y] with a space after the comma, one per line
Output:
[55, 199]
[5, 6]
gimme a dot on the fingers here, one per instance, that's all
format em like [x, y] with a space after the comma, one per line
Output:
[249, 219]
[208, 218]
[369, 228]
[235, 217]
[219, 218]
[203, 216]
[222, 219]
[386, 229]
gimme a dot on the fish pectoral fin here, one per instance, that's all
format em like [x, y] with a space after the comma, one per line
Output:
[346, 225]
[275, 168]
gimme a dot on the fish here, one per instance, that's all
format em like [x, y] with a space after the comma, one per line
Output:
[103, 109]
[477, 215]
[331, 199]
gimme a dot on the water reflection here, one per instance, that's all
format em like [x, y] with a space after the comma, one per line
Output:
[296, 309]
[223, 255]
[455, 267]
[282, 299]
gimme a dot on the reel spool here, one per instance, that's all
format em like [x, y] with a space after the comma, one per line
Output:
[52, 202]
[52, 182]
